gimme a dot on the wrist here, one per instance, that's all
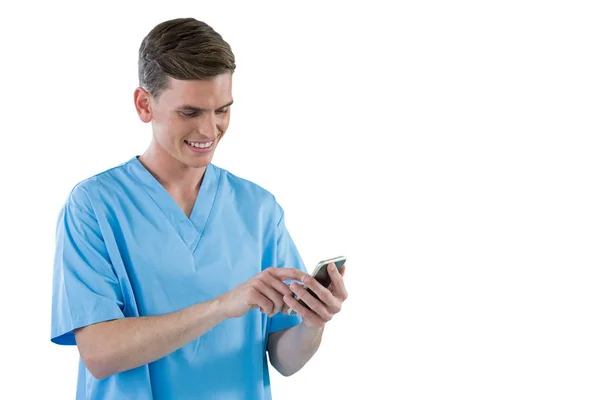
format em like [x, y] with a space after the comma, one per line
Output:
[218, 309]
[206, 315]
[311, 328]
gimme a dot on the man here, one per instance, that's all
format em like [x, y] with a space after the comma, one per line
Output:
[171, 273]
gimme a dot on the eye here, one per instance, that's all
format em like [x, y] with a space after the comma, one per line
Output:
[223, 111]
[188, 114]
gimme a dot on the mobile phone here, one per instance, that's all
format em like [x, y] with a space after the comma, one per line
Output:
[322, 276]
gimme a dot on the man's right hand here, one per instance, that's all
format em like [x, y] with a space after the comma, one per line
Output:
[265, 291]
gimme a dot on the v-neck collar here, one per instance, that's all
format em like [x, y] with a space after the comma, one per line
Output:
[189, 229]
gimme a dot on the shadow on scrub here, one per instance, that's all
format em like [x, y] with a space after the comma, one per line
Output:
[227, 367]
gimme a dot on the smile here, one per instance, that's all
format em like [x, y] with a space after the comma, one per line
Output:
[199, 145]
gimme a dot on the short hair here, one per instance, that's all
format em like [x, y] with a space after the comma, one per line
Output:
[182, 48]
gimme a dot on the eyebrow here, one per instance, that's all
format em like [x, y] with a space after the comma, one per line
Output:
[187, 107]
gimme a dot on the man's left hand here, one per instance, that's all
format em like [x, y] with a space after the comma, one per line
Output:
[325, 305]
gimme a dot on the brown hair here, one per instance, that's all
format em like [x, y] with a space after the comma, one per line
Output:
[182, 48]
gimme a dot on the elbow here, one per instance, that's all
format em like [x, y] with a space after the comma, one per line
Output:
[97, 365]
[100, 364]
[284, 370]
[287, 373]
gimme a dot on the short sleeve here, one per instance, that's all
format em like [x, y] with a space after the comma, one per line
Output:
[85, 288]
[287, 256]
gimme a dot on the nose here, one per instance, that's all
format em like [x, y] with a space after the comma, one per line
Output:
[207, 126]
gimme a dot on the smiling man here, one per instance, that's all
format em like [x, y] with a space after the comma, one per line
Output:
[170, 273]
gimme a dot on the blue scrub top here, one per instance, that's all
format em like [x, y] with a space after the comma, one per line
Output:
[124, 248]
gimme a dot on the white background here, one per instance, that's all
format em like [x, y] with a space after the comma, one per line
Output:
[449, 149]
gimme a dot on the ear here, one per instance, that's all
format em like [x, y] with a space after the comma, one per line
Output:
[141, 99]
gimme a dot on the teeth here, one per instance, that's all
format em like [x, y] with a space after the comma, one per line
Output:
[200, 145]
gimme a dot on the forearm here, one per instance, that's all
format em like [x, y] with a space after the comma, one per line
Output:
[114, 346]
[291, 349]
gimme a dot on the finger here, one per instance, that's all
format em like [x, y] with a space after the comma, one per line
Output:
[313, 304]
[276, 284]
[321, 292]
[342, 272]
[283, 274]
[304, 312]
[337, 281]
[257, 299]
[274, 297]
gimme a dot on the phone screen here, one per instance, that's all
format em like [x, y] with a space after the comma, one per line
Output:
[322, 276]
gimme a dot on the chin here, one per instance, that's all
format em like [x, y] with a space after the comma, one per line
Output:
[198, 162]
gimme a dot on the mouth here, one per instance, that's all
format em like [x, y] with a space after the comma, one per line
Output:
[200, 147]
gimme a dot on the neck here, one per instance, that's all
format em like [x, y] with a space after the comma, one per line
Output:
[170, 172]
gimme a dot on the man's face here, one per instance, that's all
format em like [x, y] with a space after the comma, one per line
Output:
[190, 117]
